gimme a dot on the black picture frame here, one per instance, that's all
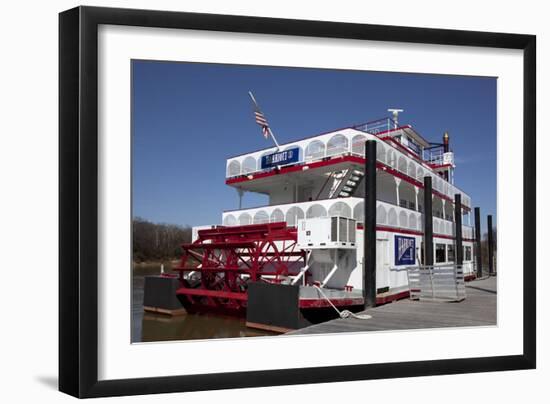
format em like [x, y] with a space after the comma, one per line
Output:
[78, 200]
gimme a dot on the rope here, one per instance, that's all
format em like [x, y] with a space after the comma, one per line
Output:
[343, 313]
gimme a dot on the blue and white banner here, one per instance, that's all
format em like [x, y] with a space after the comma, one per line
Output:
[281, 158]
[405, 250]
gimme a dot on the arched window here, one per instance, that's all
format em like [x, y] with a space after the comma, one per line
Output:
[340, 209]
[380, 152]
[439, 184]
[229, 220]
[392, 217]
[403, 219]
[316, 211]
[420, 174]
[249, 165]
[358, 144]
[359, 212]
[233, 168]
[277, 216]
[315, 150]
[412, 221]
[402, 165]
[390, 157]
[337, 144]
[412, 170]
[293, 215]
[245, 219]
[261, 216]
[381, 215]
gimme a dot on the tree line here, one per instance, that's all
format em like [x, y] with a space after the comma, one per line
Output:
[157, 241]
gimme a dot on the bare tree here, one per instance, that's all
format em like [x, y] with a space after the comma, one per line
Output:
[157, 241]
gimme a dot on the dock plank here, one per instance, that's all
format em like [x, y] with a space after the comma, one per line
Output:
[478, 309]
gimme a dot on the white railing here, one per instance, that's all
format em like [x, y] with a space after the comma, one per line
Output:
[347, 142]
[292, 212]
[386, 215]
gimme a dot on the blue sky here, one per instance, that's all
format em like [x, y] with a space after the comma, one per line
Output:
[189, 118]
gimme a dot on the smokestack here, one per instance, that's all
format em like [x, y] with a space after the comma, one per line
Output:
[445, 142]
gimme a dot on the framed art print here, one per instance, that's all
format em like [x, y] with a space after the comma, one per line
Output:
[243, 198]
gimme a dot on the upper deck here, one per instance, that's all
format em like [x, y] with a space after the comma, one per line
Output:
[400, 150]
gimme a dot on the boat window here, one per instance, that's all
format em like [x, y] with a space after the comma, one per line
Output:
[451, 253]
[402, 164]
[403, 219]
[316, 211]
[234, 168]
[392, 217]
[230, 220]
[315, 150]
[412, 221]
[249, 165]
[359, 211]
[261, 217]
[440, 253]
[380, 152]
[293, 215]
[415, 147]
[337, 144]
[277, 216]
[381, 215]
[358, 144]
[340, 209]
[467, 253]
[390, 158]
[245, 219]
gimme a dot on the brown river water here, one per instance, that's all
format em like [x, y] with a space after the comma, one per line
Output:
[150, 327]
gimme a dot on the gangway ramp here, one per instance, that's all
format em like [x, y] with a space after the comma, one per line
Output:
[437, 282]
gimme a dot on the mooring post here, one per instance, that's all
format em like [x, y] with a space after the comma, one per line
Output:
[458, 230]
[490, 242]
[478, 242]
[428, 223]
[369, 226]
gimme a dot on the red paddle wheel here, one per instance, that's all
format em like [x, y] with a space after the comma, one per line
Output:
[215, 269]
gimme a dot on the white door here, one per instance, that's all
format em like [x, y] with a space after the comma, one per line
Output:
[382, 264]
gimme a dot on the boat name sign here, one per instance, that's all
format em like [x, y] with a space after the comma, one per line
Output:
[281, 158]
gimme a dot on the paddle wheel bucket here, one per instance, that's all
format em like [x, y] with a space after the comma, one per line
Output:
[215, 270]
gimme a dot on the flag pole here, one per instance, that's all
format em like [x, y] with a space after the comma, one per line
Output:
[268, 128]
[273, 137]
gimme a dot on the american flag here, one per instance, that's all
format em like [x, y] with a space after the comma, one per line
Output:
[262, 121]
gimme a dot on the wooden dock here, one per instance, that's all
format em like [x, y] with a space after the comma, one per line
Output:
[478, 309]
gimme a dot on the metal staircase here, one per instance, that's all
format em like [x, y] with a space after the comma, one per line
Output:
[346, 183]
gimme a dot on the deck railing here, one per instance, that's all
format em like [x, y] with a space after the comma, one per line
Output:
[347, 142]
[387, 214]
